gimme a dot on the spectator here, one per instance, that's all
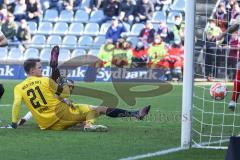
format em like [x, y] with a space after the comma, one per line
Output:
[144, 11]
[20, 10]
[34, 10]
[9, 27]
[147, 33]
[105, 54]
[157, 53]
[221, 16]
[53, 4]
[178, 29]
[23, 34]
[115, 31]
[127, 11]
[175, 59]
[9, 5]
[162, 5]
[140, 57]
[71, 5]
[165, 33]
[110, 8]
[94, 5]
[229, 8]
[212, 31]
[235, 13]
[121, 54]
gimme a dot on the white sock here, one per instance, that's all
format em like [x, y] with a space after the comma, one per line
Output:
[28, 116]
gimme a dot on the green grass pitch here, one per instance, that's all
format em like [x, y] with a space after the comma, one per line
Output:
[126, 137]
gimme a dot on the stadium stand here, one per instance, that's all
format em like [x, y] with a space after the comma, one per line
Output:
[64, 27]
[15, 54]
[85, 42]
[45, 28]
[66, 16]
[81, 16]
[3, 53]
[31, 53]
[51, 15]
[78, 52]
[54, 40]
[60, 28]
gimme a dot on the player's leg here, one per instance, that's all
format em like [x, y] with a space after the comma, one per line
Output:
[178, 69]
[54, 63]
[236, 91]
[24, 119]
[113, 113]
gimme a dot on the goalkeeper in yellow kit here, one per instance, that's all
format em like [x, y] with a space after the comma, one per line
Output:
[48, 105]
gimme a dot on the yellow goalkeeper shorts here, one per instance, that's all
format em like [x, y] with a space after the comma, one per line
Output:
[71, 116]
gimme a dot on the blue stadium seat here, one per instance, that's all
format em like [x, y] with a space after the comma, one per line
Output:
[76, 29]
[93, 52]
[66, 16]
[91, 29]
[64, 55]
[85, 3]
[69, 42]
[178, 5]
[104, 28]
[136, 29]
[99, 40]
[96, 16]
[32, 27]
[45, 54]
[81, 16]
[156, 26]
[3, 53]
[15, 54]
[170, 25]
[85, 42]
[133, 40]
[171, 16]
[78, 52]
[38, 41]
[51, 15]
[45, 28]
[31, 53]
[127, 26]
[60, 28]
[54, 40]
[158, 17]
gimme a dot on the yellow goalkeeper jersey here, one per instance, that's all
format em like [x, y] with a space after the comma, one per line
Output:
[39, 94]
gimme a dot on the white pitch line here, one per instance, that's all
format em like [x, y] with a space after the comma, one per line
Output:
[159, 153]
[5, 105]
[171, 150]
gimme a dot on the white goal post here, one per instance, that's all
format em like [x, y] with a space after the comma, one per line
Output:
[206, 123]
[187, 98]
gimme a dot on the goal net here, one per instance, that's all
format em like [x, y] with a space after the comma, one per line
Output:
[214, 61]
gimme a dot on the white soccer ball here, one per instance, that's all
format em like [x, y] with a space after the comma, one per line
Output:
[218, 91]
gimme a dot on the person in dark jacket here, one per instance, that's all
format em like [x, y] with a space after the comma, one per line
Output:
[127, 11]
[110, 8]
[147, 33]
[144, 11]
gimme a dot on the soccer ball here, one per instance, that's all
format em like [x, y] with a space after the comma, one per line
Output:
[218, 91]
